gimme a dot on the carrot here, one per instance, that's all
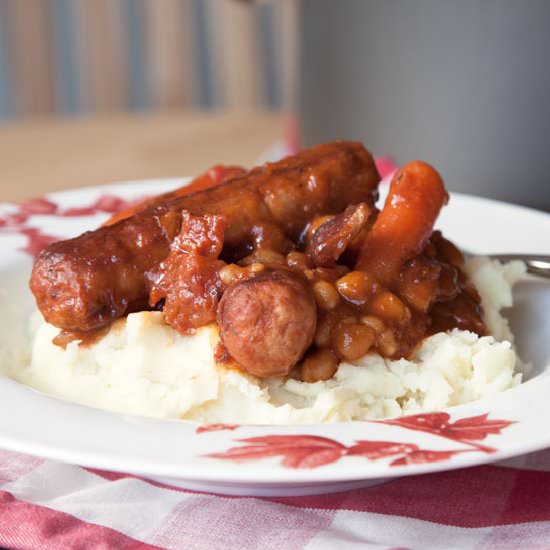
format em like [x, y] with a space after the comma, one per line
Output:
[403, 227]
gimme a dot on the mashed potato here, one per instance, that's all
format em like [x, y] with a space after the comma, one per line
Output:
[143, 366]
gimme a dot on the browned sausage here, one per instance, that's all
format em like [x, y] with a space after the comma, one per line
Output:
[268, 322]
[212, 177]
[187, 280]
[86, 282]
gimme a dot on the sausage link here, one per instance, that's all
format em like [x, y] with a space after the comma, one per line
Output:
[324, 179]
[212, 177]
[86, 282]
[268, 322]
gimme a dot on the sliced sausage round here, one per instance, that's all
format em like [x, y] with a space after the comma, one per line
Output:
[268, 322]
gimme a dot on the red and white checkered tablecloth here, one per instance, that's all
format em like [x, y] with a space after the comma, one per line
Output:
[46, 505]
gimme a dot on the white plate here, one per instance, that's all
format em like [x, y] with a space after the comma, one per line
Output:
[279, 460]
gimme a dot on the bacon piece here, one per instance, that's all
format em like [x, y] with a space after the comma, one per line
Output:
[331, 239]
[188, 279]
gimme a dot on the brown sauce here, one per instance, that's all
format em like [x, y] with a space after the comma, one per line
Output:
[84, 339]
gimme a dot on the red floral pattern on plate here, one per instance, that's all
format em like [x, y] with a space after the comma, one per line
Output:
[465, 430]
[18, 221]
[298, 451]
[309, 451]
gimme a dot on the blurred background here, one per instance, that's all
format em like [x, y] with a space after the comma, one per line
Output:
[68, 57]
[100, 90]
[96, 91]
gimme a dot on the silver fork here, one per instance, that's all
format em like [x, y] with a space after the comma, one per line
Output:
[537, 264]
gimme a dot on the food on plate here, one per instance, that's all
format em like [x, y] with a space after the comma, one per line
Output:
[281, 294]
[144, 366]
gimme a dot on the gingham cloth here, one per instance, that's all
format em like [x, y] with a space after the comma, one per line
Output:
[45, 505]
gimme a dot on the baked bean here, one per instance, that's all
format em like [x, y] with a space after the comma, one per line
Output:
[389, 307]
[331, 274]
[374, 323]
[326, 324]
[386, 343]
[264, 256]
[233, 273]
[324, 330]
[349, 320]
[326, 295]
[230, 274]
[357, 287]
[352, 340]
[298, 261]
[320, 365]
